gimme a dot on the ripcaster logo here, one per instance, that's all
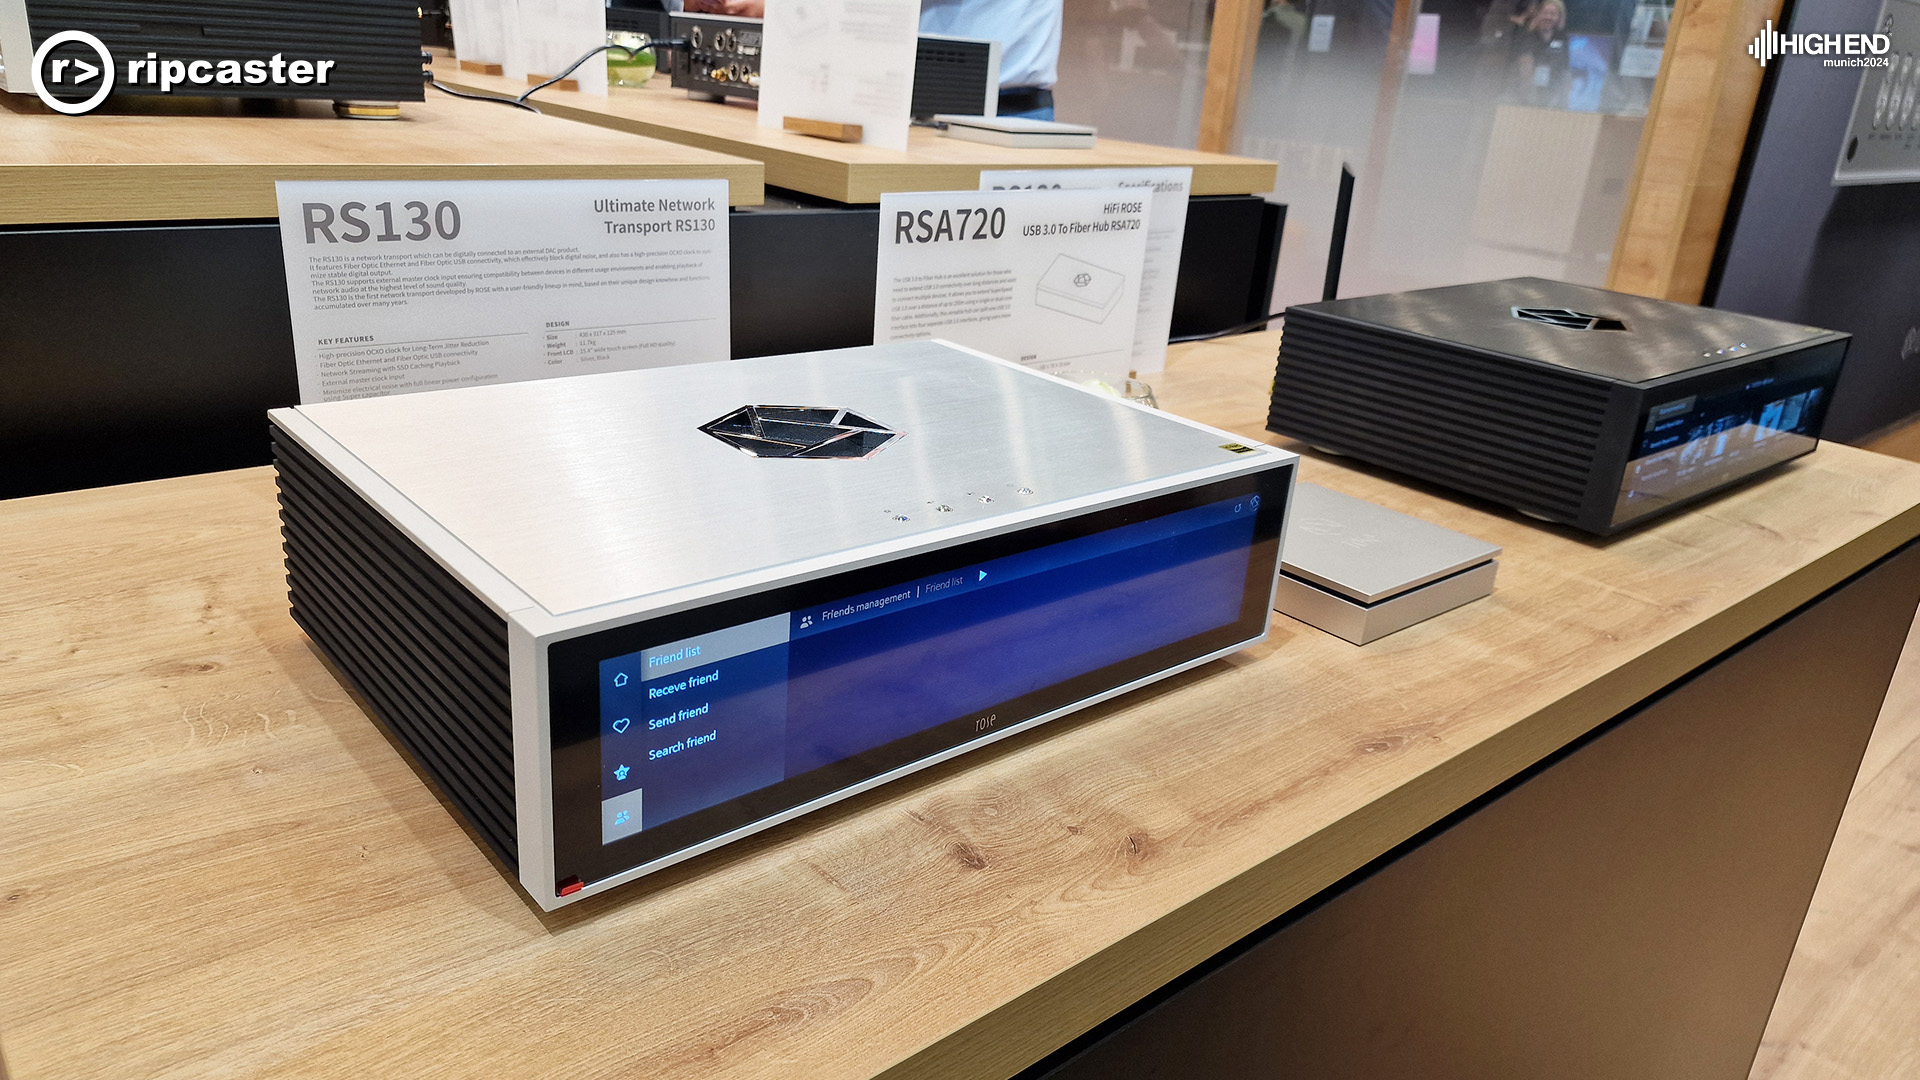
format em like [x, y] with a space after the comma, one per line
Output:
[154, 72]
[1841, 50]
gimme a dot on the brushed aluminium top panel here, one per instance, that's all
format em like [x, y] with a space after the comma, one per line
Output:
[601, 488]
[1662, 337]
[1367, 552]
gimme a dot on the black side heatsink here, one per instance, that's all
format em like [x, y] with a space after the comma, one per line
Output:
[427, 657]
[1498, 430]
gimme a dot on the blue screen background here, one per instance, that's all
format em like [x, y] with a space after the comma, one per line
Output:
[865, 671]
[886, 678]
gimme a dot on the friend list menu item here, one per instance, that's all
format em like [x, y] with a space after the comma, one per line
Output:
[1168, 189]
[1048, 278]
[404, 286]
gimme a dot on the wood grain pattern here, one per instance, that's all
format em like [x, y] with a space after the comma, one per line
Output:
[854, 172]
[1690, 149]
[174, 161]
[822, 129]
[214, 866]
[1231, 46]
[1849, 1008]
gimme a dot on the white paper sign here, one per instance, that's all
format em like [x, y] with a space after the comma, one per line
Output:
[423, 285]
[1048, 278]
[532, 37]
[843, 61]
[550, 34]
[1166, 231]
[480, 31]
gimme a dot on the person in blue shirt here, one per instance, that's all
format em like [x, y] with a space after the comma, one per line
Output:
[1029, 35]
[1028, 32]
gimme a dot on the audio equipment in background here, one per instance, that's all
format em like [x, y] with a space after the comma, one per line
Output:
[371, 48]
[956, 75]
[1575, 405]
[722, 57]
[722, 60]
[1882, 142]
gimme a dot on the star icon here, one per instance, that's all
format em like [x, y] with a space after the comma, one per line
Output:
[620, 773]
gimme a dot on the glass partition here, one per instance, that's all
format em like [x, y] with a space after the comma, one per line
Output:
[1136, 69]
[1491, 138]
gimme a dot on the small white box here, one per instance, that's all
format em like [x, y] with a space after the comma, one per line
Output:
[1017, 131]
[1361, 572]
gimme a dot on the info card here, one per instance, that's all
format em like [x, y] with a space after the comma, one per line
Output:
[1048, 278]
[842, 61]
[423, 285]
[1167, 191]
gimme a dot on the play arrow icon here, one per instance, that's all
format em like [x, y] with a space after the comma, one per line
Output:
[983, 575]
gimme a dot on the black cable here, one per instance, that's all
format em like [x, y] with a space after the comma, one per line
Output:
[445, 89]
[631, 51]
[521, 101]
[1229, 331]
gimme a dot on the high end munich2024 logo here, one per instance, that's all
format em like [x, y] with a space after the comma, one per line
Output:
[1840, 50]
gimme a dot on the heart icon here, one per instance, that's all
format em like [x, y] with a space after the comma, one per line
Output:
[620, 725]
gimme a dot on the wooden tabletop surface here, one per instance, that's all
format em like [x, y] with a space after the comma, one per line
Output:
[851, 172]
[165, 160]
[213, 865]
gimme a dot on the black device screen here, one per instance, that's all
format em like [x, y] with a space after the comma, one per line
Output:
[1693, 444]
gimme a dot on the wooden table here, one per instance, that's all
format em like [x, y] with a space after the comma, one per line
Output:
[212, 159]
[213, 865]
[851, 173]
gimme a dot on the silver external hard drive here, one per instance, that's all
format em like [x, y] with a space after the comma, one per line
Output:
[1360, 571]
[622, 619]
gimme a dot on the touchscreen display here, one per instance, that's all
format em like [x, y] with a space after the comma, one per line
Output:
[693, 723]
[692, 726]
[1697, 443]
